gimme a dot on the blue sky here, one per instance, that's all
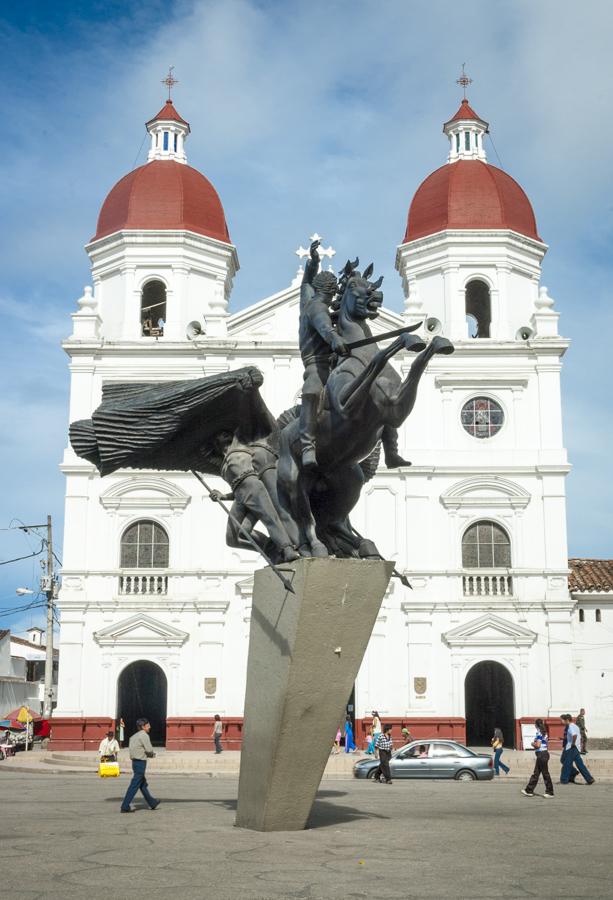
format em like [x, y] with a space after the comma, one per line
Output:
[322, 116]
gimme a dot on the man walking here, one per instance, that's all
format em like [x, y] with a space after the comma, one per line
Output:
[580, 720]
[572, 755]
[140, 751]
[572, 776]
[384, 745]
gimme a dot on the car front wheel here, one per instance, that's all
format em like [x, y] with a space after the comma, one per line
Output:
[371, 774]
[466, 775]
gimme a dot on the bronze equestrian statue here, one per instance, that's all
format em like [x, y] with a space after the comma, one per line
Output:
[301, 474]
[362, 396]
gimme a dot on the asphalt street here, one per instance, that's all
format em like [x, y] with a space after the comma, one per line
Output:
[63, 837]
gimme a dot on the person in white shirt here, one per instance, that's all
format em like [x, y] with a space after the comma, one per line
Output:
[217, 733]
[109, 748]
[572, 756]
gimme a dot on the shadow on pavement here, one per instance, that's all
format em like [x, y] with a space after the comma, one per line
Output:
[324, 814]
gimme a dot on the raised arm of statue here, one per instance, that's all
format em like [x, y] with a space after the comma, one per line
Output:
[312, 265]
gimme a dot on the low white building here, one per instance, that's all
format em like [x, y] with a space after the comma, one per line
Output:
[22, 670]
[155, 608]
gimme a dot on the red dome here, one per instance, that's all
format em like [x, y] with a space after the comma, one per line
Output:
[469, 194]
[163, 195]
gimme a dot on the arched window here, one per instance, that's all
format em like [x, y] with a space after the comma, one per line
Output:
[486, 545]
[144, 545]
[582, 615]
[153, 309]
[478, 309]
[598, 616]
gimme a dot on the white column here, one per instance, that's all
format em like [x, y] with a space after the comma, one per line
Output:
[454, 325]
[71, 656]
[131, 322]
[561, 669]
[176, 304]
[218, 309]
[457, 692]
[419, 628]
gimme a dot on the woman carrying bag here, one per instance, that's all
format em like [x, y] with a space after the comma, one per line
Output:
[498, 746]
[541, 766]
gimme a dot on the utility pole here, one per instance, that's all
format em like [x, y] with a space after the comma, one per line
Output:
[47, 586]
[50, 584]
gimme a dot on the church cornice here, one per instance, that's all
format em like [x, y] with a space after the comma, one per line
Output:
[481, 237]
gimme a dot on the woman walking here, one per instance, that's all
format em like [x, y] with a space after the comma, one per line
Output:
[498, 746]
[541, 765]
[349, 742]
[377, 729]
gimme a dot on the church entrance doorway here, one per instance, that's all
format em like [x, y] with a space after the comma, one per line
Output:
[141, 693]
[489, 704]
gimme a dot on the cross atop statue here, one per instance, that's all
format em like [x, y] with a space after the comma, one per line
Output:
[322, 252]
[464, 80]
[170, 81]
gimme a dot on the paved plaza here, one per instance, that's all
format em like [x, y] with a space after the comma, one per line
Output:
[63, 837]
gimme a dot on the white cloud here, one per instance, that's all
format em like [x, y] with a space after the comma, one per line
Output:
[321, 116]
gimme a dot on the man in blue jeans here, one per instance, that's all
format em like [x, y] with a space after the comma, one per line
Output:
[140, 751]
[571, 756]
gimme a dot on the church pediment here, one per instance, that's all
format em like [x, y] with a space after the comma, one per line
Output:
[140, 631]
[489, 631]
[486, 492]
[276, 319]
[144, 492]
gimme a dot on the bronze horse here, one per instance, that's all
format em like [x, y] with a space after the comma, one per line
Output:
[363, 394]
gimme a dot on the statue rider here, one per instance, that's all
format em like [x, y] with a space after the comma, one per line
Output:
[318, 340]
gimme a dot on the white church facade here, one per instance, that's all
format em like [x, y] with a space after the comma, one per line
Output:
[155, 608]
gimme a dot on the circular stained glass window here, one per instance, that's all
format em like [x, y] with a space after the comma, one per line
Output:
[482, 417]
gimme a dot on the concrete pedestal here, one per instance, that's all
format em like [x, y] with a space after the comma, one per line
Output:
[305, 650]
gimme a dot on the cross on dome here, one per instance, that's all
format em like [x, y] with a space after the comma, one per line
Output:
[465, 130]
[168, 130]
[464, 80]
[170, 81]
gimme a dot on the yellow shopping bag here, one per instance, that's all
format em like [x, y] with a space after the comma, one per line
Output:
[108, 769]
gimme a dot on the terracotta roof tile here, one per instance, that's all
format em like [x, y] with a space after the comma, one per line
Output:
[168, 112]
[465, 112]
[590, 575]
[469, 194]
[164, 195]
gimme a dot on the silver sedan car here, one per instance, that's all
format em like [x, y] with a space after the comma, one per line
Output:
[432, 759]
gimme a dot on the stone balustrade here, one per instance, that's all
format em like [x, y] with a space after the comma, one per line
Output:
[141, 583]
[487, 583]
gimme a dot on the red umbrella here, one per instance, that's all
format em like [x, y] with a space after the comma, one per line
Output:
[11, 720]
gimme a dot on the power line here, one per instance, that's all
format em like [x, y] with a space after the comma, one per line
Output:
[494, 149]
[139, 150]
[18, 609]
[5, 562]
